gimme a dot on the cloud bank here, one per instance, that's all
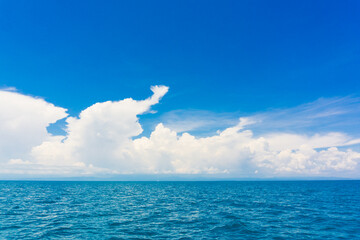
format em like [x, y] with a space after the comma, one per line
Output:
[104, 140]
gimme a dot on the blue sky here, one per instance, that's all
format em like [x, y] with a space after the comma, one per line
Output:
[251, 55]
[269, 60]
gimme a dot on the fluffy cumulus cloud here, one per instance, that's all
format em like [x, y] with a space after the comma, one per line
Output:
[237, 152]
[23, 122]
[94, 138]
[104, 140]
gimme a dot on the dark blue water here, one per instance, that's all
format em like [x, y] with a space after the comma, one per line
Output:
[180, 210]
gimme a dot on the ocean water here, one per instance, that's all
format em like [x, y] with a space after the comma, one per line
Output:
[180, 210]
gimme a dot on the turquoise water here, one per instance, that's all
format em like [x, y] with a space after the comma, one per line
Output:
[180, 210]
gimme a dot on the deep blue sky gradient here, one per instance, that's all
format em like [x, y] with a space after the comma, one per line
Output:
[220, 56]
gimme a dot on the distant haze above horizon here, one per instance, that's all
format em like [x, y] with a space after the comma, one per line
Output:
[180, 90]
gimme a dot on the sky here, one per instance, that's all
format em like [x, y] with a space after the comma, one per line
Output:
[184, 89]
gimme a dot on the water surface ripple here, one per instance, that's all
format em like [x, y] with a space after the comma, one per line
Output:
[180, 210]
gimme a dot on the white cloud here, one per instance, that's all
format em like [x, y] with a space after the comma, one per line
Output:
[104, 140]
[9, 89]
[95, 136]
[236, 151]
[199, 121]
[337, 114]
[23, 122]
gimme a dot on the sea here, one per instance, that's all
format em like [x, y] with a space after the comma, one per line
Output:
[180, 210]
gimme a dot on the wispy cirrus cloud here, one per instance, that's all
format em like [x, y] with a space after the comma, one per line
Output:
[323, 115]
[8, 89]
[197, 121]
[339, 114]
